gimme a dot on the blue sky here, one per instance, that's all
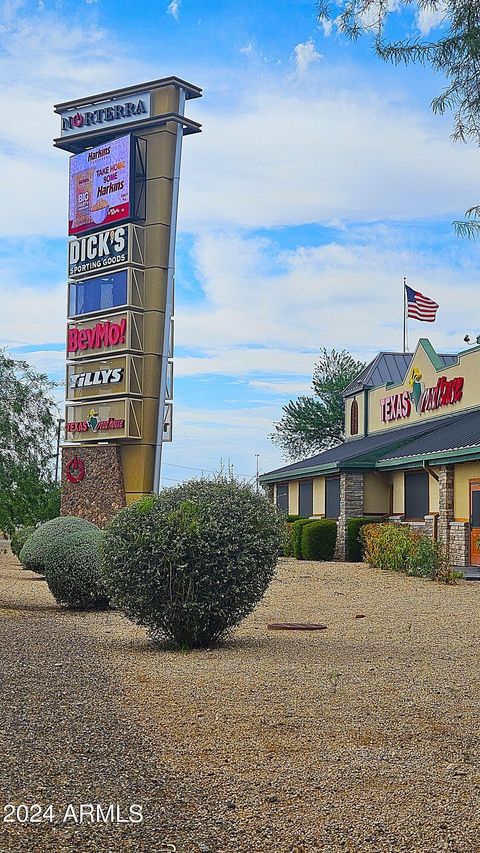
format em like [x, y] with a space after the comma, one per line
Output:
[321, 178]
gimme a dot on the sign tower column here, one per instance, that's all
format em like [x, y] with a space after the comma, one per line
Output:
[123, 195]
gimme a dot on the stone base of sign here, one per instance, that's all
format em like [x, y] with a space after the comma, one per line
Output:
[92, 484]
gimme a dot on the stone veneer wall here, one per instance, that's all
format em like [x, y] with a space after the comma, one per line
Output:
[445, 503]
[351, 506]
[101, 493]
[459, 544]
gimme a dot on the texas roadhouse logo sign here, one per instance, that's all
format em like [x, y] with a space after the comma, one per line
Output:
[93, 423]
[444, 393]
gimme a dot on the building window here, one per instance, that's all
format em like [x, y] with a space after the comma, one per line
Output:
[282, 497]
[416, 495]
[305, 499]
[354, 418]
[332, 497]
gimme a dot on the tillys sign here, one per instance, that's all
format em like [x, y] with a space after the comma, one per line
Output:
[98, 251]
[105, 114]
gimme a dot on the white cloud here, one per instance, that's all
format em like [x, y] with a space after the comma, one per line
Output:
[282, 386]
[173, 9]
[342, 154]
[267, 312]
[428, 19]
[305, 53]
[32, 174]
[205, 437]
[327, 27]
[32, 315]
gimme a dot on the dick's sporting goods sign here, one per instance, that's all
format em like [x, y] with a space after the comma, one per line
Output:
[106, 114]
[98, 251]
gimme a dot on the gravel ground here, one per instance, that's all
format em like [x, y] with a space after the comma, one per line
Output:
[362, 737]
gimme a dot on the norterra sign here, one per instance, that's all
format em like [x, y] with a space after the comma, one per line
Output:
[107, 113]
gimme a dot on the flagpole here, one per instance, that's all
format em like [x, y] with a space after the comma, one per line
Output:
[404, 314]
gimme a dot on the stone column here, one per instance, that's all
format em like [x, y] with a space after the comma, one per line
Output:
[445, 503]
[351, 506]
[459, 544]
[430, 526]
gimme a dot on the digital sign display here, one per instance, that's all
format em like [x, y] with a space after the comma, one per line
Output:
[100, 186]
[98, 294]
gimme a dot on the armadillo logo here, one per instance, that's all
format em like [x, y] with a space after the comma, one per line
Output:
[101, 335]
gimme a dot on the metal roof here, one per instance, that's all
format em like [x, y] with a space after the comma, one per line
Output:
[448, 435]
[388, 367]
[365, 452]
[455, 433]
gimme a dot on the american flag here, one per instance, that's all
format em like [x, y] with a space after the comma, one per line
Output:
[420, 307]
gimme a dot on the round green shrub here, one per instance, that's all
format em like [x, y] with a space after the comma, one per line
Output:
[296, 537]
[318, 539]
[191, 563]
[19, 538]
[67, 550]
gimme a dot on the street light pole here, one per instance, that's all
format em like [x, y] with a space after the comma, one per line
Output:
[257, 484]
[59, 427]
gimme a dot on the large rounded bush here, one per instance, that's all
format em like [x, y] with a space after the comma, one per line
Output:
[190, 563]
[67, 551]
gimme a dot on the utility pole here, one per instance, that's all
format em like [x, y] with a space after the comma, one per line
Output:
[257, 484]
[57, 458]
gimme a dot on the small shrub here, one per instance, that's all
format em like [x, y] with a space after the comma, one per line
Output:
[355, 547]
[288, 544]
[20, 537]
[190, 563]
[398, 548]
[318, 539]
[296, 536]
[291, 518]
[67, 550]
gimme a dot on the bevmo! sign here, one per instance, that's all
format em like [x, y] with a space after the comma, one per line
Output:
[105, 334]
[444, 393]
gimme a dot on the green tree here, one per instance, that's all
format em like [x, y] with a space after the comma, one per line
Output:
[456, 55]
[27, 433]
[312, 424]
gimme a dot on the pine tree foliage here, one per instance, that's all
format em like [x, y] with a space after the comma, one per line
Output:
[456, 55]
[312, 424]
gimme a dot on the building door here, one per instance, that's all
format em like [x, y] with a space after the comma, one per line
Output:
[475, 524]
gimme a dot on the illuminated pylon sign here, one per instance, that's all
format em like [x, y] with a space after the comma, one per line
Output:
[123, 196]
